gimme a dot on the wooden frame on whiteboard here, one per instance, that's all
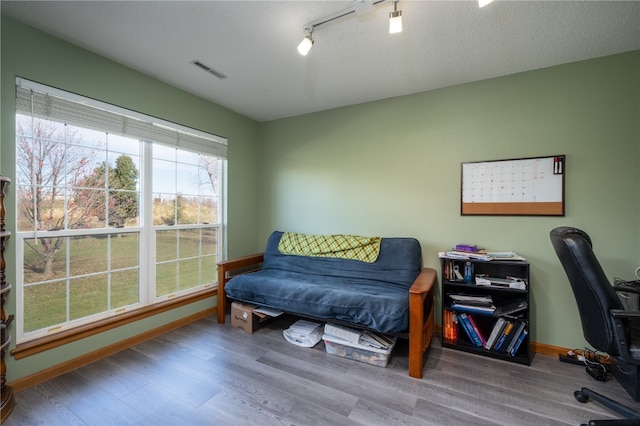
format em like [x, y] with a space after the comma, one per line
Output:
[523, 186]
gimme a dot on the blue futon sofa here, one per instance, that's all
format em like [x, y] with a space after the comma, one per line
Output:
[391, 293]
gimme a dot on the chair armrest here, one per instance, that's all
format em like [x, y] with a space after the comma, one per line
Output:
[620, 323]
[626, 288]
[226, 270]
[621, 313]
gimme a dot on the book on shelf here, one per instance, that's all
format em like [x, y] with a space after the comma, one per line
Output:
[496, 332]
[468, 328]
[503, 337]
[450, 327]
[518, 343]
[509, 337]
[477, 330]
[452, 272]
[516, 335]
[454, 317]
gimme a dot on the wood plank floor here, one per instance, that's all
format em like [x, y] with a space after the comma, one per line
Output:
[208, 374]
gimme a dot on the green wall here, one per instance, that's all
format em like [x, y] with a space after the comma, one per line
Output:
[31, 54]
[392, 168]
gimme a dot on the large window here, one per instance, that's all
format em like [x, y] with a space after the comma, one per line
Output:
[116, 210]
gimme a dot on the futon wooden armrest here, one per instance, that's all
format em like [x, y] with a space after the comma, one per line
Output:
[424, 282]
[226, 270]
[421, 319]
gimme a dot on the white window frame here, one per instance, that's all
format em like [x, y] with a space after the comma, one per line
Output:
[148, 130]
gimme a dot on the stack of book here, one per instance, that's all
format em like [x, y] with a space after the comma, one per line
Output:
[507, 336]
[481, 255]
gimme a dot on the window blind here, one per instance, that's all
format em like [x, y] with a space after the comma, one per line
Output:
[55, 104]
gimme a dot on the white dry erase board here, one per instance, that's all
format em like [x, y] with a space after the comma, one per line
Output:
[524, 186]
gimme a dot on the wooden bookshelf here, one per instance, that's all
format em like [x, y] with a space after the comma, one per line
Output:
[8, 398]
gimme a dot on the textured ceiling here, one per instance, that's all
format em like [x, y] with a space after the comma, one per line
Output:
[354, 58]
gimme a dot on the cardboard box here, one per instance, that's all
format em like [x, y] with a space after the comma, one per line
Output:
[357, 352]
[243, 316]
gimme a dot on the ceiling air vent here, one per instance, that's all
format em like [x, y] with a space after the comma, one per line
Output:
[208, 69]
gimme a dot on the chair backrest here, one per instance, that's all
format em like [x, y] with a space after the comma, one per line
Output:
[593, 292]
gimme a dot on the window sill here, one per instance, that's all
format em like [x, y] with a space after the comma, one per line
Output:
[32, 347]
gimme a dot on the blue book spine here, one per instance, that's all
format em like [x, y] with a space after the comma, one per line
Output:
[465, 327]
[521, 338]
[502, 338]
[470, 331]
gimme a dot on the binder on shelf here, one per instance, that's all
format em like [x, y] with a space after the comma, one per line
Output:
[467, 329]
[512, 307]
[521, 338]
[496, 332]
[509, 337]
[516, 335]
[504, 336]
[477, 330]
[473, 337]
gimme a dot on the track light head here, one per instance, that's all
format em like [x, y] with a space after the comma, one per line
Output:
[395, 19]
[306, 43]
[395, 22]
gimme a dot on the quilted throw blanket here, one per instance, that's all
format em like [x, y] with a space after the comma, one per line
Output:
[365, 249]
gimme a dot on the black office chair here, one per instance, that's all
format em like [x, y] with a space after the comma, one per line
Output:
[605, 323]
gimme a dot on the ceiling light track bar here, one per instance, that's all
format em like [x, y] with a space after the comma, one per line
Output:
[358, 6]
[337, 15]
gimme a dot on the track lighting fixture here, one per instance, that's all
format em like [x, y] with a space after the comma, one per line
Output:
[306, 43]
[395, 19]
[358, 6]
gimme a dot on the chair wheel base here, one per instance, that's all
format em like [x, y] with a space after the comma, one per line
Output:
[581, 397]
